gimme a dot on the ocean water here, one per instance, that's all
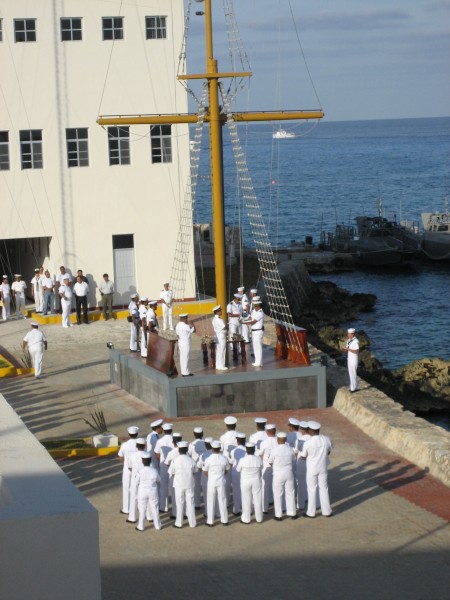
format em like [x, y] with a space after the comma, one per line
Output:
[334, 172]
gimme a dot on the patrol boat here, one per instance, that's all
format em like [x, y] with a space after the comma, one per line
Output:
[436, 236]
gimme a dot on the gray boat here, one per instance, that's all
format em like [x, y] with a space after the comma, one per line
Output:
[436, 235]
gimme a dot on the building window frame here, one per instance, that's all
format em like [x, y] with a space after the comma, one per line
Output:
[31, 155]
[1, 30]
[4, 151]
[161, 143]
[119, 145]
[156, 27]
[113, 28]
[24, 30]
[71, 29]
[77, 145]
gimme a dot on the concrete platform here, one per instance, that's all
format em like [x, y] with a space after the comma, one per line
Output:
[279, 385]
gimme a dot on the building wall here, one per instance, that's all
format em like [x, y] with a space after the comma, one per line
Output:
[52, 85]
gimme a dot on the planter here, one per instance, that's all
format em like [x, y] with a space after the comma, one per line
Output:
[105, 440]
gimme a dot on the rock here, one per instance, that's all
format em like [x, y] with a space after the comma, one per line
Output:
[430, 376]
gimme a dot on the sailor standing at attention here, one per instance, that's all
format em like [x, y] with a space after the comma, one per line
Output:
[162, 448]
[316, 451]
[236, 455]
[215, 467]
[257, 327]
[136, 464]
[18, 290]
[300, 473]
[147, 495]
[144, 328]
[282, 460]
[184, 332]
[65, 293]
[260, 434]
[245, 313]
[151, 318]
[352, 349]
[166, 297]
[183, 468]
[228, 443]
[265, 450]
[35, 342]
[124, 457]
[234, 313]
[195, 451]
[220, 329]
[36, 289]
[5, 297]
[251, 485]
[135, 322]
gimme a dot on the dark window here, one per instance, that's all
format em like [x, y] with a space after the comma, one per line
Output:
[112, 28]
[77, 147]
[4, 151]
[119, 145]
[161, 141]
[155, 28]
[71, 29]
[1, 30]
[25, 30]
[31, 149]
[121, 242]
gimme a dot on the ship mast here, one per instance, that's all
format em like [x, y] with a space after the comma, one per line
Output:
[216, 119]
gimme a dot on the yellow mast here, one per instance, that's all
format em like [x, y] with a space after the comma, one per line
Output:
[216, 119]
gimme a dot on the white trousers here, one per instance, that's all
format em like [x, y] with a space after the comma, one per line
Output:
[133, 337]
[37, 357]
[39, 301]
[184, 348]
[233, 327]
[251, 493]
[267, 478]
[133, 498]
[167, 317]
[148, 507]
[197, 489]
[185, 498]
[352, 364]
[314, 481]
[245, 332]
[126, 482]
[6, 308]
[302, 491]
[236, 483]
[65, 307]
[221, 347]
[283, 483]
[20, 306]
[143, 344]
[216, 491]
[164, 487]
[257, 339]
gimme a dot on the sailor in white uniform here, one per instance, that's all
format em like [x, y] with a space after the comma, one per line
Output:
[162, 448]
[316, 451]
[245, 329]
[228, 443]
[265, 450]
[172, 455]
[260, 433]
[166, 297]
[125, 450]
[147, 495]
[153, 437]
[182, 469]
[36, 290]
[144, 328]
[65, 293]
[234, 313]
[184, 332]
[35, 342]
[257, 327]
[236, 455]
[250, 467]
[18, 288]
[136, 464]
[300, 472]
[195, 451]
[220, 329]
[294, 426]
[152, 320]
[215, 468]
[282, 459]
[204, 479]
[135, 322]
[5, 297]
[352, 349]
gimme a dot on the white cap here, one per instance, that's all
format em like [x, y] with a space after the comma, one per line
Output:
[238, 296]
[157, 423]
[240, 435]
[17, 275]
[182, 444]
[153, 302]
[208, 440]
[239, 289]
[184, 315]
[249, 445]
[36, 270]
[34, 323]
[270, 426]
[351, 330]
[133, 296]
[293, 421]
[216, 308]
[166, 283]
[144, 299]
[255, 299]
[146, 455]
[230, 420]
[215, 444]
[253, 291]
[256, 302]
[66, 277]
[167, 426]
[177, 435]
[313, 425]
[140, 441]
[4, 276]
[304, 424]
[198, 430]
[260, 420]
[133, 430]
[281, 434]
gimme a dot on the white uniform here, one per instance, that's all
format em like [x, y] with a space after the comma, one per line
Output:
[147, 495]
[173, 454]
[316, 451]
[124, 452]
[134, 327]
[282, 460]
[200, 464]
[184, 332]
[163, 446]
[6, 298]
[236, 456]
[221, 341]
[352, 363]
[136, 466]
[300, 472]
[245, 329]
[152, 321]
[182, 469]
[195, 451]
[152, 438]
[234, 325]
[265, 449]
[216, 465]
[66, 304]
[143, 316]
[37, 292]
[167, 296]
[229, 443]
[250, 467]
[60, 281]
[19, 287]
[36, 345]
[258, 437]
[257, 336]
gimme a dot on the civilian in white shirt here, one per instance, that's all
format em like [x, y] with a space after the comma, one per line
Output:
[35, 342]
[48, 284]
[81, 291]
[18, 291]
[183, 468]
[106, 289]
[316, 451]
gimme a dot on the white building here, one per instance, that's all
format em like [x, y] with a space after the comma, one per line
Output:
[105, 200]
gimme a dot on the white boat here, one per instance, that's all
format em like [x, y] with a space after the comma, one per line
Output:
[436, 235]
[282, 134]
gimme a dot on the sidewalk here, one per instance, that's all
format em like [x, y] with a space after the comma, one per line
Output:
[389, 536]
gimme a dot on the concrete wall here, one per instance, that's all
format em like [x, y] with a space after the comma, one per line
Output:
[49, 532]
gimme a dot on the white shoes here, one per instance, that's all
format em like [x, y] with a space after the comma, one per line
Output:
[255, 365]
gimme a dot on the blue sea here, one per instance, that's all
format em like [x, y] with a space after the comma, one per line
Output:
[333, 172]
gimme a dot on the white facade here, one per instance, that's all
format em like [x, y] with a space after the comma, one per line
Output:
[68, 215]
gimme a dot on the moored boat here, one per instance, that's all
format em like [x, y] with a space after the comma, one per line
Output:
[436, 235]
[282, 134]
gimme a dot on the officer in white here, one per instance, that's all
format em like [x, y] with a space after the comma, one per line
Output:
[316, 451]
[65, 293]
[183, 469]
[195, 451]
[204, 479]
[144, 328]
[5, 297]
[18, 291]
[135, 322]
[35, 342]
[147, 495]
[236, 455]
[300, 472]
[250, 467]
[153, 437]
[215, 468]
[166, 297]
[228, 443]
[136, 465]
[245, 330]
[36, 289]
[260, 433]
[282, 459]
[257, 327]
[125, 450]
[265, 449]
[152, 321]
[184, 332]
[234, 313]
[162, 448]
[352, 349]
[220, 329]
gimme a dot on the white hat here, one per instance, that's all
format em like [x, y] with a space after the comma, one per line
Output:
[198, 430]
[66, 277]
[182, 444]
[256, 302]
[238, 296]
[215, 444]
[230, 420]
[140, 441]
[177, 435]
[253, 291]
[260, 420]
[293, 421]
[167, 426]
[249, 445]
[240, 435]
[133, 296]
[144, 299]
[270, 426]
[281, 434]
[256, 298]
[157, 423]
[153, 302]
[184, 315]
[208, 440]
[351, 330]
[133, 430]
[4, 276]
[34, 323]
[313, 425]
[166, 283]
[304, 424]
[36, 270]
[17, 275]
[216, 308]
[240, 288]
[146, 455]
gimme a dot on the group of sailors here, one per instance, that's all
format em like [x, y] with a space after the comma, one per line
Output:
[162, 473]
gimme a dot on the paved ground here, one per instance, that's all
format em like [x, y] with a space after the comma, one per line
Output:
[389, 536]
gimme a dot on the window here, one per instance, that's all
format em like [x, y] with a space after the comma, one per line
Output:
[161, 141]
[4, 151]
[71, 29]
[31, 149]
[25, 30]
[1, 30]
[119, 145]
[112, 28]
[77, 147]
[155, 28]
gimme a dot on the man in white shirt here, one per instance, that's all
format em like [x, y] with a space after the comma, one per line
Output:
[250, 467]
[65, 293]
[147, 481]
[215, 467]
[265, 450]
[106, 289]
[5, 297]
[257, 327]
[124, 457]
[48, 284]
[35, 342]
[236, 455]
[81, 291]
[36, 291]
[18, 291]
[352, 349]
[183, 468]
[184, 332]
[234, 313]
[282, 460]
[166, 297]
[245, 329]
[152, 320]
[300, 472]
[260, 434]
[220, 329]
[316, 451]
[195, 451]
[136, 465]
